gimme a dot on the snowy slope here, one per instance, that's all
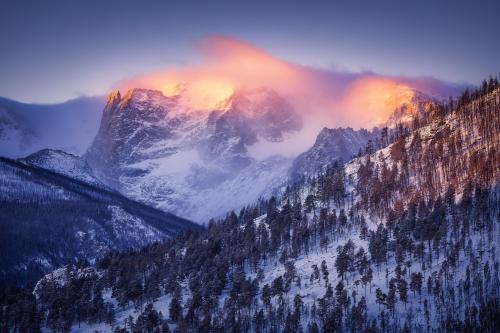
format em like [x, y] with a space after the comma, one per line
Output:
[420, 309]
[447, 150]
[63, 163]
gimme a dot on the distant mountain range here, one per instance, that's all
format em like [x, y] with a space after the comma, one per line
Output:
[69, 126]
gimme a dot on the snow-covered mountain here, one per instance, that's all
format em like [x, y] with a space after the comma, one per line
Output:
[69, 126]
[158, 150]
[63, 163]
[337, 144]
[154, 149]
[404, 238]
[53, 212]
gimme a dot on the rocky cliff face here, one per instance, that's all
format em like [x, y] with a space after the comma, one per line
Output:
[158, 150]
[155, 149]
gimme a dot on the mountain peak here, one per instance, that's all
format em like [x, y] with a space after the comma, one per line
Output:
[253, 101]
[113, 100]
[332, 144]
[412, 104]
[140, 95]
[264, 110]
[326, 132]
[48, 153]
[113, 96]
[63, 163]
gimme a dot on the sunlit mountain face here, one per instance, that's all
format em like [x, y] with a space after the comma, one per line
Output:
[186, 140]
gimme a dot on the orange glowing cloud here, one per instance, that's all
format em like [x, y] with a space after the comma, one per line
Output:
[227, 65]
[322, 97]
[371, 100]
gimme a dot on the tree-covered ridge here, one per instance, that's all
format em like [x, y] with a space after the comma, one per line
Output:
[435, 252]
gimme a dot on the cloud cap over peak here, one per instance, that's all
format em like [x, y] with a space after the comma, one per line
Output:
[322, 97]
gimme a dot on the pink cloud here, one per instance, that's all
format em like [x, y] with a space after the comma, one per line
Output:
[323, 97]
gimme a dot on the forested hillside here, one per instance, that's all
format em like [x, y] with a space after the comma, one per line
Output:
[402, 238]
[49, 219]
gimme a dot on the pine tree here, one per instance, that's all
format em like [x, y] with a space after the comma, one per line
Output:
[175, 310]
[324, 271]
[416, 282]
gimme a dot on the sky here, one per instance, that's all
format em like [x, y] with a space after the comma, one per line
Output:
[52, 51]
